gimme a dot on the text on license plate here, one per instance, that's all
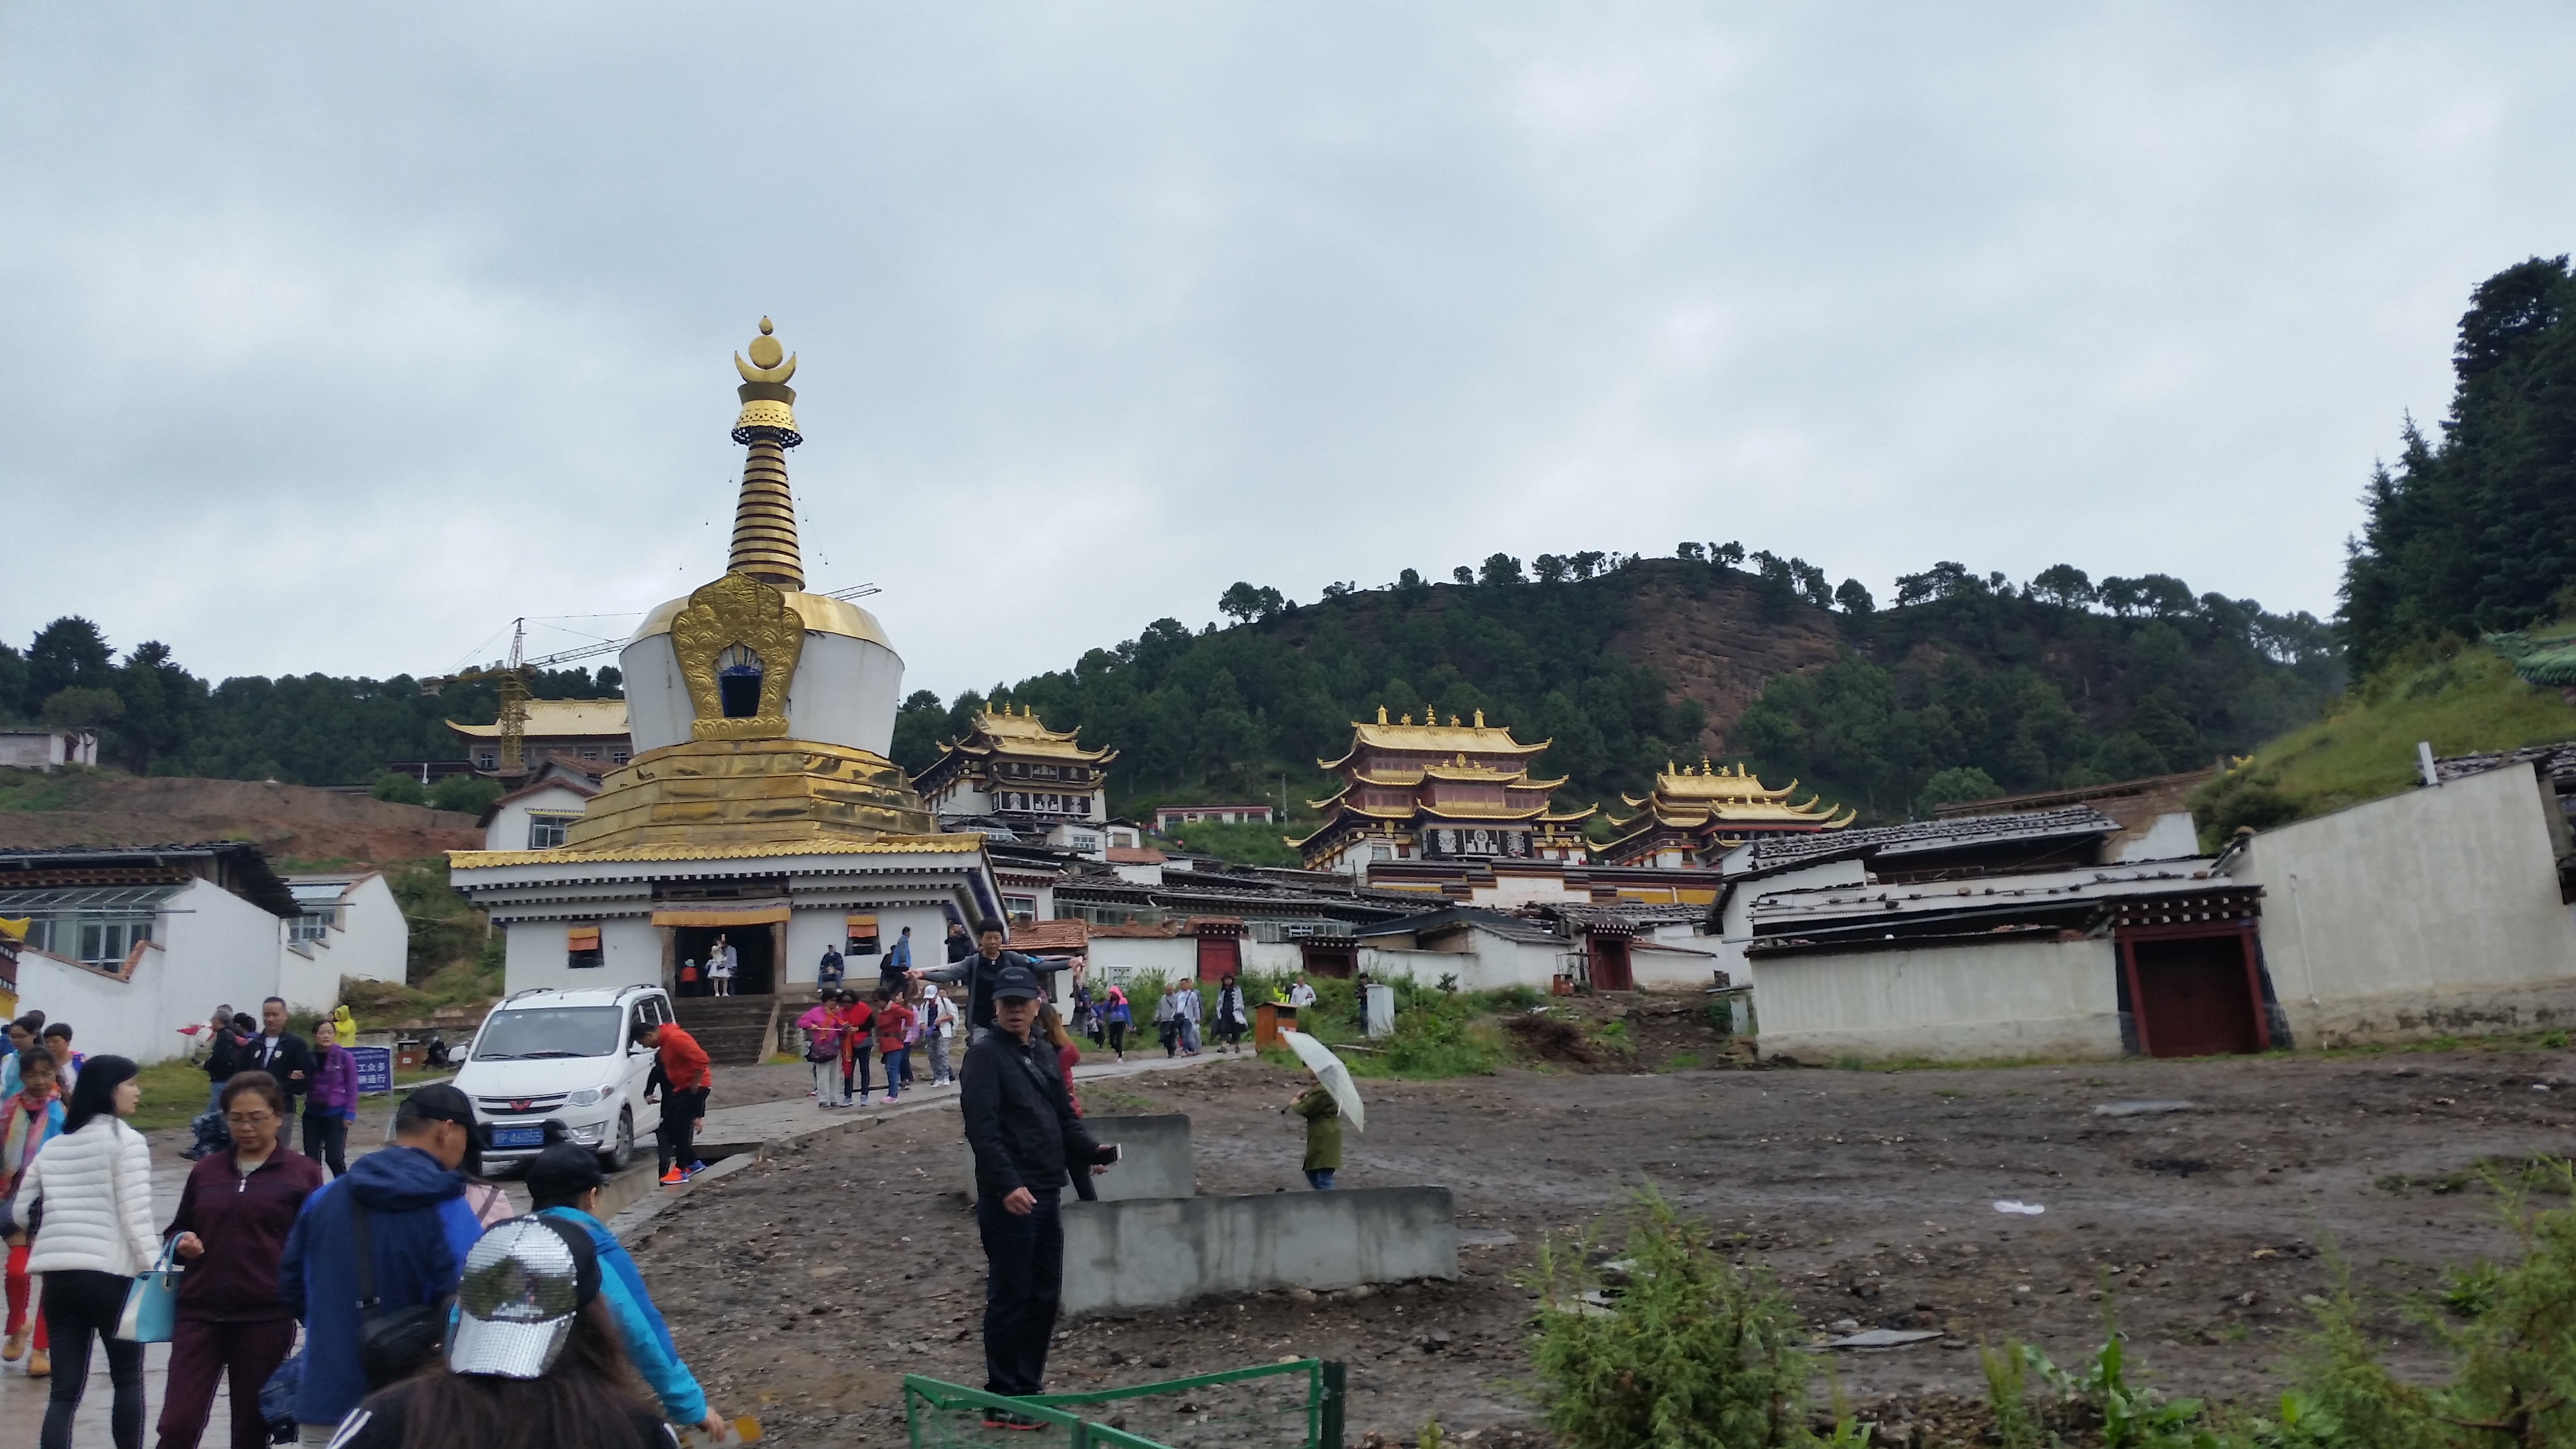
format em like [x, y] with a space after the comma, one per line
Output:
[518, 1136]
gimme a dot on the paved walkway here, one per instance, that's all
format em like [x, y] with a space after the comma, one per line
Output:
[22, 1400]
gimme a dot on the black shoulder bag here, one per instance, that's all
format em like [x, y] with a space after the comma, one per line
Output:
[393, 1343]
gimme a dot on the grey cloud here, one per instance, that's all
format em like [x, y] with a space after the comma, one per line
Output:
[344, 335]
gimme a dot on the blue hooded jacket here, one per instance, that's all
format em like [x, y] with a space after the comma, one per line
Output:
[420, 1229]
[640, 1330]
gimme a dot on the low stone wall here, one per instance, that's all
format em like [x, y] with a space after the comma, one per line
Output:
[1150, 1253]
[1154, 1158]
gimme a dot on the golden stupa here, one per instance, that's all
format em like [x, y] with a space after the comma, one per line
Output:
[762, 714]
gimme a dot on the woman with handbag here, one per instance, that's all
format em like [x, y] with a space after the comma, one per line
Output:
[1229, 1012]
[230, 1230]
[821, 1024]
[35, 1113]
[95, 1185]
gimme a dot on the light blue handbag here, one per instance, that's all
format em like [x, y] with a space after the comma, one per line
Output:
[152, 1304]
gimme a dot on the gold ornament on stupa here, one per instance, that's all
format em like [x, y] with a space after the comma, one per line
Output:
[764, 518]
[742, 780]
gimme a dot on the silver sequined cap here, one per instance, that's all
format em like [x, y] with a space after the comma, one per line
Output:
[514, 1309]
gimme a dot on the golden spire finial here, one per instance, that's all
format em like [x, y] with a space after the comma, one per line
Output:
[1381, 714]
[764, 517]
[1480, 719]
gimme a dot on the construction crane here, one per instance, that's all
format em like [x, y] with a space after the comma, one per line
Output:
[513, 676]
[515, 673]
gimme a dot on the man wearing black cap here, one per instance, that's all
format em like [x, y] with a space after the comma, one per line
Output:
[1025, 1135]
[563, 1184]
[418, 1227]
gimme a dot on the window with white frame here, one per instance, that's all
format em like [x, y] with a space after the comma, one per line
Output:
[546, 831]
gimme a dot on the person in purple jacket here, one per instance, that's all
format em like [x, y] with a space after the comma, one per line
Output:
[332, 1103]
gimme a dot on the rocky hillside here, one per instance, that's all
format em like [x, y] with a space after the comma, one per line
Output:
[294, 823]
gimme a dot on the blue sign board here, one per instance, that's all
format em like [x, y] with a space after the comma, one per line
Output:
[375, 1069]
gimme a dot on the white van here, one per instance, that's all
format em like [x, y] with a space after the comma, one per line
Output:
[565, 1055]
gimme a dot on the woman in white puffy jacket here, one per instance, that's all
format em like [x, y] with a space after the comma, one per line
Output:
[91, 1189]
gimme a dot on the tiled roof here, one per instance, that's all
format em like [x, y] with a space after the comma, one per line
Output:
[1051, 936]
[1136, 931]
[2560, 758]
[883, 845]
[1133, 855]
[1923, 837]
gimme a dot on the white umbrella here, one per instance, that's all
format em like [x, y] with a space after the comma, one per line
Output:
[1329, 1070]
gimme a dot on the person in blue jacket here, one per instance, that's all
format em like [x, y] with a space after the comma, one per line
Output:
[418, 1227]
[563, 1184]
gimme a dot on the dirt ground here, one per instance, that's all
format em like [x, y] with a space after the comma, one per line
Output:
[802, 1289]
[292, 822]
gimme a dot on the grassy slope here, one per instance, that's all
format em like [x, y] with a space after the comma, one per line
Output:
[2364, 746]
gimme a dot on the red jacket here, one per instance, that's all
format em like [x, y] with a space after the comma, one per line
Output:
[894, 1023]
[684, 1062]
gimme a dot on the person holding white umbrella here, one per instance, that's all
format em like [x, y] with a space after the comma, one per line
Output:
[1325, 1103]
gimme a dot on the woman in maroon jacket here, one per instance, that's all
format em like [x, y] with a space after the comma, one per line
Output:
[230, 1231]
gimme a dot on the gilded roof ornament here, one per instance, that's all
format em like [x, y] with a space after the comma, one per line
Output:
[764, 517]
[1381, 714]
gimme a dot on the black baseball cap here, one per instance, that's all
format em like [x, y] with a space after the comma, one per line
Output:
[563, 1172]
[437, 1102]
[1016, 983]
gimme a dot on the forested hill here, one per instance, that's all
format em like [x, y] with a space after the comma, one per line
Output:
[2475, 531]
[1969, 686]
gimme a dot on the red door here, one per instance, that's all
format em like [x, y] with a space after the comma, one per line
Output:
[2194, 997]
[1219, 957]
[1609, 963]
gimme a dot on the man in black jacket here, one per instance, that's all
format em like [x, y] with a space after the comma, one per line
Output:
[979, 969]
[280, 1053]
[1025, 1136]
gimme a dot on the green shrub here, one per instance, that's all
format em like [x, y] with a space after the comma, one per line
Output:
[1692, 1353]
[465, 794]
[399, 788]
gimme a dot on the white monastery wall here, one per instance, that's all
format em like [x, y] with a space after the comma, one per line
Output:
[2429, 912]
[1950, 1003]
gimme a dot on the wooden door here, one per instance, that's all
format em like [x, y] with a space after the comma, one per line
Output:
[1609, 963]
[2194, 997]
[1219, 956]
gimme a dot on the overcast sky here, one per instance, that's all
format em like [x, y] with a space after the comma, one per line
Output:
[338, 335]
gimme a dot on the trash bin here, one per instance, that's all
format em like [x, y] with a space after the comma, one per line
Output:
[407, 1054]
[1268, 1020]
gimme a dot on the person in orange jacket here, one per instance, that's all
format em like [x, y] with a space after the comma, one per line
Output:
[681, 1064]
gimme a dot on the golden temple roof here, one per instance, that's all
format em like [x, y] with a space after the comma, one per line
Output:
[1025, 734]
[554, 718]
[1688, 799]
[958, 844]
[1431, 736]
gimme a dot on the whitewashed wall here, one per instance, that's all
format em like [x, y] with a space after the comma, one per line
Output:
[509, 827]
[2429, 912]
[209, 946]
[2021, 998]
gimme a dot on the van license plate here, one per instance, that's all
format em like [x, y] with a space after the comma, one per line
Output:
[518, 1136]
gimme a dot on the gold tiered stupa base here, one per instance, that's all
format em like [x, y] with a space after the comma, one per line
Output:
[750, 792]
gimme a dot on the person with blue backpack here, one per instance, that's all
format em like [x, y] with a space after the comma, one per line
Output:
[563, 1184]
[407, 1204]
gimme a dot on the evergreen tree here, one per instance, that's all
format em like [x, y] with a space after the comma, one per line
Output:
[2477, 532]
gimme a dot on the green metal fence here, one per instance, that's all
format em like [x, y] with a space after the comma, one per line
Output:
[1292, 1405]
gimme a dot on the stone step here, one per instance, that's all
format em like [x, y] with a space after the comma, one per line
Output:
[731, 1029]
